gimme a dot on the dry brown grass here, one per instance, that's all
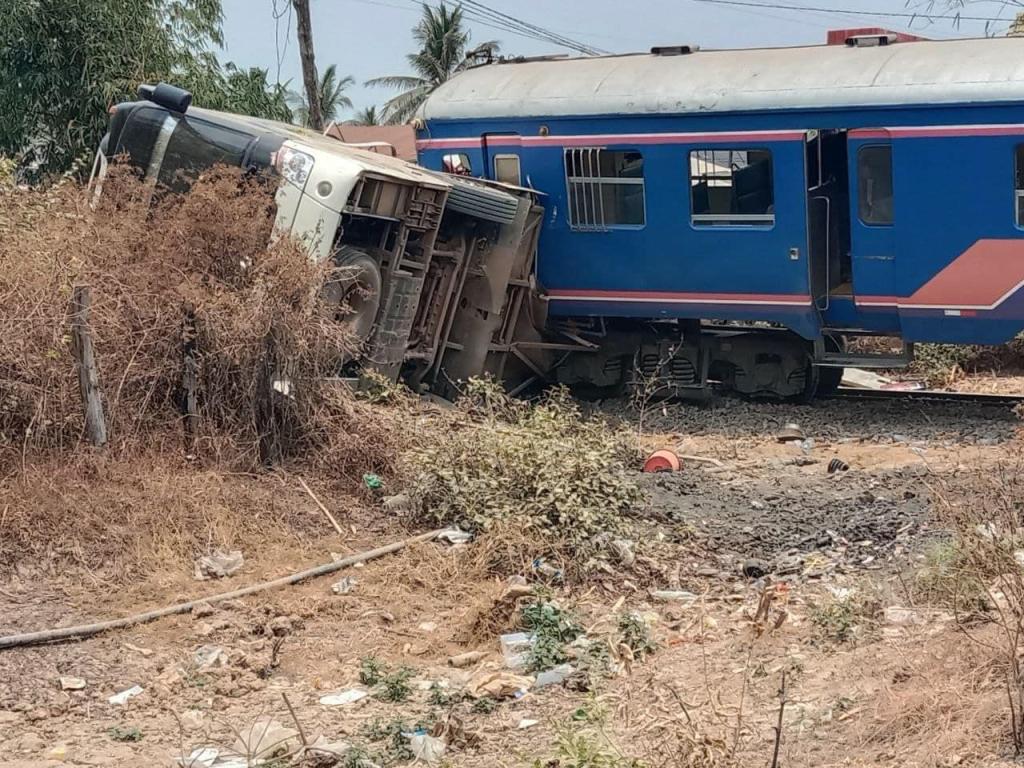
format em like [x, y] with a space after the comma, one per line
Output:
[259, 318]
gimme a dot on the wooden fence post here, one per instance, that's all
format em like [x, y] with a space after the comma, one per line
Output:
[88, 376]
[190, 378]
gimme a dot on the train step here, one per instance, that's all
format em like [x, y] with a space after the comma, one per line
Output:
[825, 358]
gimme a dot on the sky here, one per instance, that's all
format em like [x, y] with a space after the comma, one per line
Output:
[369, 38]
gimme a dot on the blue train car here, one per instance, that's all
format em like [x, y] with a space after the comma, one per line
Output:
[715, 198]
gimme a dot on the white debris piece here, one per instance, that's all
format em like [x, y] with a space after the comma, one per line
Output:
[123, 696]
[206, 656]
[218, 565]
[343, 698]
[429, 749]
[674, 596]
[72, 683]
[526, 723]
[515, 648]
[345, 585]
[455, 536]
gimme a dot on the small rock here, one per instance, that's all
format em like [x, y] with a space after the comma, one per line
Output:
[58, 752]
[31, 742]
[428, 626]
[72, 683]
[199, 610]
[398, 503]
[192, 719]
[144, 652]
[708, 573]
[282, 625]
[789, 565]
[525, 723]
[755, 568]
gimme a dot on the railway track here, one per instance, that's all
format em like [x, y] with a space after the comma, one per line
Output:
[974, 398]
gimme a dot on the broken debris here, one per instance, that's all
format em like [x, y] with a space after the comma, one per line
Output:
[218, 565]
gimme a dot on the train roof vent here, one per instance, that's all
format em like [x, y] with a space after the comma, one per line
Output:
[674, 50]
[870, 41]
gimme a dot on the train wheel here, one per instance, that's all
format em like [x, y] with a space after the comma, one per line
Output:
[355, 294]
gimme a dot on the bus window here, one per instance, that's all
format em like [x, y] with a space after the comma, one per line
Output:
[506, 169]
[731, 187]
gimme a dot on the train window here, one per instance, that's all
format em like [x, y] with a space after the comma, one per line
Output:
[731, 187]
[874, 184]
[506, 169]
[1019, 185]
[457, 164]
[606, 188]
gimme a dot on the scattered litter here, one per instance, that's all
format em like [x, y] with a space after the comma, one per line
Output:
[429, 749]
[144, 652]
[372, 481]
[206, 656]
[524, 724]
[204, 757]
[428, 626]
[123, 696]
[218, 565]
[344, 586]
[515, 649]
[662, 461]
[790, 433]
[328, 748]
[467, 659]
[555, 676]
[398, 503]
[862, 379]
[455, 536]
[674, 596]
[623, 551]
[837, 465]
[264, 739]
[72, 683]
[497, 685]
[547, 570]
[902, 617]
[58, 752]
[1018, 555]
[343, 698]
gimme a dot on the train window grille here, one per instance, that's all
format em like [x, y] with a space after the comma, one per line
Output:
[1019, 184]
[605, 188]
[732, 187]
[874, 184]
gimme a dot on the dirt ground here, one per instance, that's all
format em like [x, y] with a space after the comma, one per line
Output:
[751, 522]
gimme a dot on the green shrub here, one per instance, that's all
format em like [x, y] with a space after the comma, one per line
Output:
[543, 467]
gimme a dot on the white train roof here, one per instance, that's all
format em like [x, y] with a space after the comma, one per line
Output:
[916, 73]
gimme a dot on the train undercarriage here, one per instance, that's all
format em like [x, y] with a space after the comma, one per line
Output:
[454, 296]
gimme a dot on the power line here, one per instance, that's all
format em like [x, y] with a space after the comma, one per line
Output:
[853, 12]
[552, 36]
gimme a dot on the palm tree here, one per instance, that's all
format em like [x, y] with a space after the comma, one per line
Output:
[443, 43]
[367, 116]
[332, 97]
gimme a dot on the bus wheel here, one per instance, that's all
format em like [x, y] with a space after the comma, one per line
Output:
[355, 291]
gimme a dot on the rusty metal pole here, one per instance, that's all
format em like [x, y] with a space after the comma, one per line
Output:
[304, 28]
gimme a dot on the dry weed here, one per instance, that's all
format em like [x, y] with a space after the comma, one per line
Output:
[526, 470]
[165, 272]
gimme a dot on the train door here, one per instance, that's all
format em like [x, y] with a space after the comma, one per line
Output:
[873, 216]
[501, 157]
[828, 215]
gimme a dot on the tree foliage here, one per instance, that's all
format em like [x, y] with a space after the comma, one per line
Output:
[64, 62]
[333, 98]
[367, 116]
[443, 42]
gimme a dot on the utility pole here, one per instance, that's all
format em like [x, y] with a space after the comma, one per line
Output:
[309, 75]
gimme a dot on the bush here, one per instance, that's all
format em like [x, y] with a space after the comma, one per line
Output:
[539, 467]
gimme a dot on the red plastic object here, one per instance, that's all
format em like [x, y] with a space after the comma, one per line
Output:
[662, 461]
